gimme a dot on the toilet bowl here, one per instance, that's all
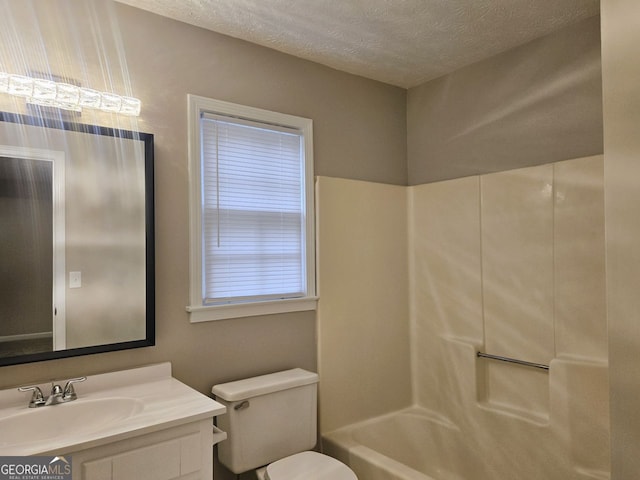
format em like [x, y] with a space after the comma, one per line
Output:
[271, 425]
[306, 465]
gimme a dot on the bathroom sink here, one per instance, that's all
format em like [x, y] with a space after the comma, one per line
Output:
[111, 407]
[77, 417]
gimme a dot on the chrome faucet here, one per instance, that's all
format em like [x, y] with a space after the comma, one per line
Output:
[57, 395]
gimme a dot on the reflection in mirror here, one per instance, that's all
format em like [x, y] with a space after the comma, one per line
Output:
[76, 239]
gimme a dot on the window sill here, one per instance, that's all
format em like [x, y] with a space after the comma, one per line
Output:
[223, 312]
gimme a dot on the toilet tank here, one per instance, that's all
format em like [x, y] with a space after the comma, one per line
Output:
[268, 418]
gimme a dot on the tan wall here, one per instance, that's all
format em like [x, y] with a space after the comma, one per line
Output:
[535, 104]
[621, 85]
[359, 132]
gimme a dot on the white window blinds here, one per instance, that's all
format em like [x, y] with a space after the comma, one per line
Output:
[253, 211]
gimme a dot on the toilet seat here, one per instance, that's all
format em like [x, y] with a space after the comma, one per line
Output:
[309, 466]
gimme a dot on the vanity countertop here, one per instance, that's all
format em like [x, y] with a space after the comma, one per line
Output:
[110, 407]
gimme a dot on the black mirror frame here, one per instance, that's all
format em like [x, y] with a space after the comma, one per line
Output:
[147, 138]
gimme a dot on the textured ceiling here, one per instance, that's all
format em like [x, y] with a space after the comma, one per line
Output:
[401, 42]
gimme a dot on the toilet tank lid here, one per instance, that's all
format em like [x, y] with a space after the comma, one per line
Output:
[255, 386]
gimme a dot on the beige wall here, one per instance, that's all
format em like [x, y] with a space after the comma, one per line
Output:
[359, 132]
[621, 85]
[535, 104]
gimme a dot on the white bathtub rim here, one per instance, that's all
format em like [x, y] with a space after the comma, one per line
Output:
[363, 455]
[394, 469]
[414, 410]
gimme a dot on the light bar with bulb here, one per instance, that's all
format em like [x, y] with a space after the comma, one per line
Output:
[66, 96]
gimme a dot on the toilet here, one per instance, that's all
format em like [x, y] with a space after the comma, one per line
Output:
[271, 425]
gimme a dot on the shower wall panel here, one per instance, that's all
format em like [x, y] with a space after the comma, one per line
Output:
[579, 306]
[363, 312]
[445, 279]
[509, 263]
[517, 278]
[534, 252]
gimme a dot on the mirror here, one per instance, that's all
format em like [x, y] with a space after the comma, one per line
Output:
[77, 239]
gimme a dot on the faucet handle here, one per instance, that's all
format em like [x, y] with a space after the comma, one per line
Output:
[37, 398]
[69, 391]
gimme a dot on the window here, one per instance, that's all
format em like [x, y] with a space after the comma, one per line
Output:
[252, 241]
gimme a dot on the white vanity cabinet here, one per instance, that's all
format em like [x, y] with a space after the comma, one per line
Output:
[183, 452]
[137, 424]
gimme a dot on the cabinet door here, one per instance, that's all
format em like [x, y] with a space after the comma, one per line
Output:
[181, 453]
[162, 461]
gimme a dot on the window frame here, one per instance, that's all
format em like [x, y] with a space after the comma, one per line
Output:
[198, 312]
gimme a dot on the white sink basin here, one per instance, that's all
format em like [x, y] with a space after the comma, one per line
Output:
[77, 417]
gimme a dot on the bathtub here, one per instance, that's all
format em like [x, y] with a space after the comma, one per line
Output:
[411, 444]
[418, 444]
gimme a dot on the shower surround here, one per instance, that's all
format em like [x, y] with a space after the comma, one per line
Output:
[414, 281]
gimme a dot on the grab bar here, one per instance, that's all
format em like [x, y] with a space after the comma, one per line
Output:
[513, 360]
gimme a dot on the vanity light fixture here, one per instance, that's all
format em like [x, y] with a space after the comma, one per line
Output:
[48, 93]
